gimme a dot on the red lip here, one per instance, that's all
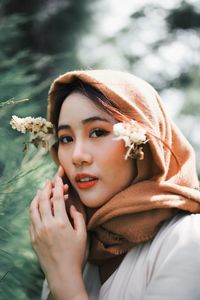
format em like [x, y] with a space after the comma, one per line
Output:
[85, 184]
[84, 175]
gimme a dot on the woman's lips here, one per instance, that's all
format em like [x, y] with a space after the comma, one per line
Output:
[87, 184]
[85, 180]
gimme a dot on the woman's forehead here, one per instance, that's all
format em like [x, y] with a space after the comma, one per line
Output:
[78, 106]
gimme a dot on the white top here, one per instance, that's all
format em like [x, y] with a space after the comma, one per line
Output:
[167, 268]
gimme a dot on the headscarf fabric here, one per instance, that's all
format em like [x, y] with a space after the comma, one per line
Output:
[166, 182]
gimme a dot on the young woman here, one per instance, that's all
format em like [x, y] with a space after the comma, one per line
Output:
[120, 219]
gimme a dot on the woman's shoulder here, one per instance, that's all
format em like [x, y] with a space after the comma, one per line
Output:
[173, 257]
[182, 230]
[168, 266]
[180, 235]
[175, 242]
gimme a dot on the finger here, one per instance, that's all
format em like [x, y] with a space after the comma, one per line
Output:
[34, 213]
[58, 200]
[60, 172]
[45, 203]
[66, 187]
[79, 223]
[66, 196]
[32, 233]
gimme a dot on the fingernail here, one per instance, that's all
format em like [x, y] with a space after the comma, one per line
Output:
[66, 196]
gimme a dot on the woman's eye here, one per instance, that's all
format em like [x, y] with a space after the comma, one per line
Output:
[65, 139]
[98, 133]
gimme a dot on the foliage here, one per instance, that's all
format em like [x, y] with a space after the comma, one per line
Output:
[20, 275]
[184, 17]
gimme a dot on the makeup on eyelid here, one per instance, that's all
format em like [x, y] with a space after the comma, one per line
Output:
[99, 132]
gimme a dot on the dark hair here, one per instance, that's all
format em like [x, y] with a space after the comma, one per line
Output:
[92, 93]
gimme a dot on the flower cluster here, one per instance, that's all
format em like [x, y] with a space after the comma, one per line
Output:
[133, 135]
[42, 131]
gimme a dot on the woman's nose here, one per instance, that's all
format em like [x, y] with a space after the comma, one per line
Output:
[81, 154]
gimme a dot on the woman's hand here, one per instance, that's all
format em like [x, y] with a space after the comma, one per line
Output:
[59, 244]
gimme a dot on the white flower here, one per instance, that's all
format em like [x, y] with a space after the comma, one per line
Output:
[41, 130]
[133, 135]
[33, 125]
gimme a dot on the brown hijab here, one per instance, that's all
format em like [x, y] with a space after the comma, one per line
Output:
[166, 182]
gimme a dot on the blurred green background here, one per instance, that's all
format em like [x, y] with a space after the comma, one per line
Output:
[40, 40]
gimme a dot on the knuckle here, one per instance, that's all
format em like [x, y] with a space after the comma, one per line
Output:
[61, 224]
[47, 228]
[43, 233]
[34, 241]
[57, 197]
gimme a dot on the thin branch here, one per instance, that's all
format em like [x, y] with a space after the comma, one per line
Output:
[12, 101]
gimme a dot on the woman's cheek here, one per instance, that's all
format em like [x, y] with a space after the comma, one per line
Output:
[63, 158]
[116, 150]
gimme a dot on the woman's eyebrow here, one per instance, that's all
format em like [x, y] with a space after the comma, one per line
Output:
[85, 121]
[95, 118]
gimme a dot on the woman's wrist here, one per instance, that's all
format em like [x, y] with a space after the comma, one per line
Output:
[68, 286]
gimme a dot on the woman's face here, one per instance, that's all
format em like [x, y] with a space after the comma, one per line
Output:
[92, 160]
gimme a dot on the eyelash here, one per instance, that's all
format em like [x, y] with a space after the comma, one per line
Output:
[102, 132]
